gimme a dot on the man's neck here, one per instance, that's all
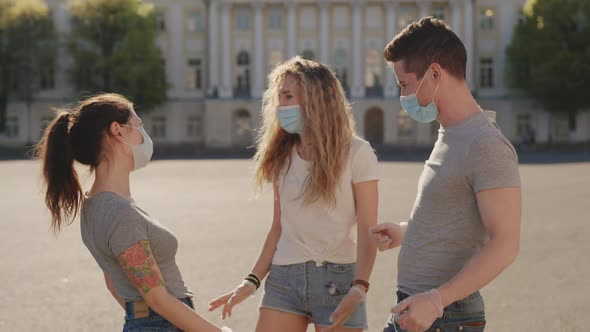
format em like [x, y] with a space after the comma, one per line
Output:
[458, 105]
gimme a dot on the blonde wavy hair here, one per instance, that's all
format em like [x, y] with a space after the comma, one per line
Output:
[328, 125]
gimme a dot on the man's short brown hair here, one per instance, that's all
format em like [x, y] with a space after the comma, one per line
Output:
[426, 42]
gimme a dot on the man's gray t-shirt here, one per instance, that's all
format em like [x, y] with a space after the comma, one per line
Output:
[110, 224]
[445, 228]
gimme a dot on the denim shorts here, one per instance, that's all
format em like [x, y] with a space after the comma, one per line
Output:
[467, 315]
[153, 322]
[312, 291]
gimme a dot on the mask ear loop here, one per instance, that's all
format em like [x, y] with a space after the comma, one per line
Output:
[419, 85]
[434, 95]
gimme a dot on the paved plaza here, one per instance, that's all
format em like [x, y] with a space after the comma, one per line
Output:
[50, 283]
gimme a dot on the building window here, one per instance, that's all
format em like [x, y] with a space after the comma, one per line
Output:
[158, 127]
[11, 129]
[160, 21]
[405, 125]
[340, 67]
[373, 73]
[242, 129]
[243, 19]
[486, 19]
[275, 19]
[242, 88]
[439, 11]
[407, 14]
[275, 57]
[193, 75]
[47, 77]
[308, 18]
[341, 17]
[194, 127]
[373, 17]
[195, 22]
[486, 73]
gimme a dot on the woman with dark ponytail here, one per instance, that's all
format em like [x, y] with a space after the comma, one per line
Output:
[135, 252]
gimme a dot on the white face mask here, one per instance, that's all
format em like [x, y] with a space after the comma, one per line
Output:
[142, 153]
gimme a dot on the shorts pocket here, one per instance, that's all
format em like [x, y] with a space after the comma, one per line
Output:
[338, 282]
[278, 278]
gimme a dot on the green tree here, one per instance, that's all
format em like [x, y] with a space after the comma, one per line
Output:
[28, 45]
[113, 47]
[549, 57]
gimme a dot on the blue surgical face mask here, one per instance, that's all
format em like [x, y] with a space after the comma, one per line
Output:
[290, 118]
[423, 114]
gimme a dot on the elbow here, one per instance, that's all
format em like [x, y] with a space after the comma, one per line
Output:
[155, 299]
[514, 254]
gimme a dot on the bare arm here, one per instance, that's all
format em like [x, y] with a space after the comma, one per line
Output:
[500, 210]
[367, 201]
[113, 291]
[142, 270]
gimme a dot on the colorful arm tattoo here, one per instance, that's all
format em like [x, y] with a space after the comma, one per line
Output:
[141, 267]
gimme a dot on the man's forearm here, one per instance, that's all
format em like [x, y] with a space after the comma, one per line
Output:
[484, 267]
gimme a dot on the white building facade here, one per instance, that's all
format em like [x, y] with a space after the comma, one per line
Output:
[218, 53]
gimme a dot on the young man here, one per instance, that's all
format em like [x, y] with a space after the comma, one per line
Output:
[464, 229]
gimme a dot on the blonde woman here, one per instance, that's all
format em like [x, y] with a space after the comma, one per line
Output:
[325, 188]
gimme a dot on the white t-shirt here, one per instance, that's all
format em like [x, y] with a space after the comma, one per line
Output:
[319, 232]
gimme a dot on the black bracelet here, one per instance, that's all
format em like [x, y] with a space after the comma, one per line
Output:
[255, 277]
[252, 275]
[253, 281]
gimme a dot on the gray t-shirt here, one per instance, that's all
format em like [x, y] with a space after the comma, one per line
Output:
[445, 228]
[110, 224]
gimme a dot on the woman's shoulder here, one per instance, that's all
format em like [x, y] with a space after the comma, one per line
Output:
[110, 207]
[357, 144]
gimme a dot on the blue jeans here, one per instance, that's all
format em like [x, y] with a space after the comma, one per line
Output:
[467, 315]
[153, 322]
[312, 291]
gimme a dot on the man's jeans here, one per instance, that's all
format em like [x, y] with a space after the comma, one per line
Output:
[467, 315]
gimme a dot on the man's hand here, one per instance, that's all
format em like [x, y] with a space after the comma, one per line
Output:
[387, 235]
[417, 313]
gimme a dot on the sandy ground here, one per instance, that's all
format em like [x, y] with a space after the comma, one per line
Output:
[53, 284]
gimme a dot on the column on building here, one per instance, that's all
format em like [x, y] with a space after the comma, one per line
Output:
[358, 88]
[456, 17]
[226, 65]
[391, 90]
[259, 70]
[324, 28]
[469, 17]
[507, 17]
[213, 70]
[176, 44]
[291, 29]
[424, 7]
